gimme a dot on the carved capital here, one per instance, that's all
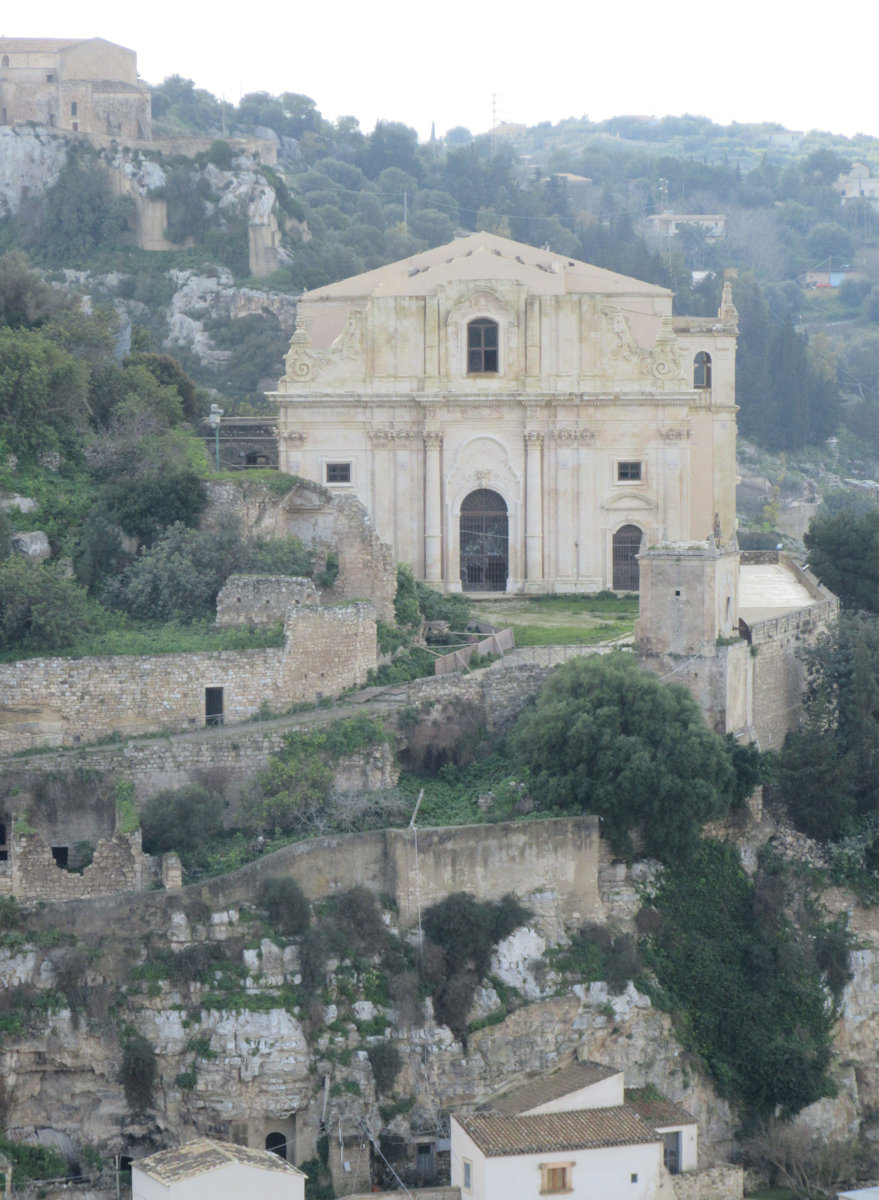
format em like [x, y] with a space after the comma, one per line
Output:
[533, 438]
[433, 439]
[294, 438]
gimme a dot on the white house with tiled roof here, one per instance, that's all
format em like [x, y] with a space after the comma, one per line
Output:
[576, 1131]
[210, 1170]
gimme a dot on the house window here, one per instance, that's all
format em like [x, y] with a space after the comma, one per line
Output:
[468, 1175]
[482, 347]
[338, 472]
[630, 472]
[5, 62]
[702, 370]
[556, 1178]
[73, 111]
[75, 126]
[50, 79]
[633, 1178]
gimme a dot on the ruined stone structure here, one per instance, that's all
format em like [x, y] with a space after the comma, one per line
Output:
[261, 600]
[88, 86]
[514, 420]
[33, 871]
[61, 701]
[332, 523]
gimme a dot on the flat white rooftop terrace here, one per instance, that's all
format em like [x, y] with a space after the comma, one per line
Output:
[770, 590]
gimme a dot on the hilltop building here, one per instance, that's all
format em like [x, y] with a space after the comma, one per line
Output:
[512, 419]
[78, 86]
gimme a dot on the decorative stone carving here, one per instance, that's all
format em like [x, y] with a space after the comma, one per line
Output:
[533, 437]
[623, 344]
[304, 363]
[432, 437]
[294, 437]
[676, 434]
[664, 361]
[580, 437]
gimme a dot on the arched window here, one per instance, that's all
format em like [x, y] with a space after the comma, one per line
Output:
[484, 542]
[277, 1143]
[702, 370]
[626, 544]
[482, 347]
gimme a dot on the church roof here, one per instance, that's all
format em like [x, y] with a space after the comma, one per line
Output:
[553, 1133]
[486, 256]
[546, 1088]
[205, 1154]
[48, 45]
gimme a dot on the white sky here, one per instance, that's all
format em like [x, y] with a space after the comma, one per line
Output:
[443, 62]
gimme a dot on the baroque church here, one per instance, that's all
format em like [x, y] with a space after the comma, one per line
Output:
[512, 419]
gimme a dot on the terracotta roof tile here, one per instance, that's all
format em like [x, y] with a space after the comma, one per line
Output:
[656, 1110]
[205, 1154]
[545, 1088]
[551, 1133]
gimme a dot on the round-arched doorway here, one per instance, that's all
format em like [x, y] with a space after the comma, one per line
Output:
[277, 1143]
[626, 544]
[485, 542]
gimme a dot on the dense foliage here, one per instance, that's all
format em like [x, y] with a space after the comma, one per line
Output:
[844, 554]
[607, 738]
[754, 994]
[829, 773]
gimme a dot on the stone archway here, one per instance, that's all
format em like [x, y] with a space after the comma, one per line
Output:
[485, 542]
[626, 545]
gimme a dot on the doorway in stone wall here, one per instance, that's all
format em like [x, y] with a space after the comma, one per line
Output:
[626, 544]
[213, 706]
[485, 542]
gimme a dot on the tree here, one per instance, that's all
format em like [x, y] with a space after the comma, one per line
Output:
[829, 775]
[26, 302]
[181, 819]
[605, 737]
[40, 609]
[42, 393]
[844, 554]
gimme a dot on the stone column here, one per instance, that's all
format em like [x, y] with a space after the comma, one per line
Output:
[433, 525]
[533, 510]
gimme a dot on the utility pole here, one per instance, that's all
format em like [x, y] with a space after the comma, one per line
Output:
[214, 418]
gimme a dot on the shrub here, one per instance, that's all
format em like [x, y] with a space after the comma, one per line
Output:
[181, 819]
[33, 1162]
[463, 932]
[138, 1072]
[285, 905]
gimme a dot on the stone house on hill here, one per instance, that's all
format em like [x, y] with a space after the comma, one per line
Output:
[219, 1170]
[78, 86]
[576, 1131]
[512, 419]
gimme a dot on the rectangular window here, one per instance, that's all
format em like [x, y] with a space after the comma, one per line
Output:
[73, 112]
[338, 472]
[556, 1178]
[50, 79]
[629, 472]
[468, 1175]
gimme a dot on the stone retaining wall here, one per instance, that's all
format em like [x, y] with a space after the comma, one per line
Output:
[63, 701]
[723, 1182]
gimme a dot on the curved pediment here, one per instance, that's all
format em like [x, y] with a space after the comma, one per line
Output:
[628, 502]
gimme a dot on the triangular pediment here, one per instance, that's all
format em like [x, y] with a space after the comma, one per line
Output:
[486, 256]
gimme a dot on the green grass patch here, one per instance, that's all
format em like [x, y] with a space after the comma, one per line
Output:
[160, 638]
[562, 620]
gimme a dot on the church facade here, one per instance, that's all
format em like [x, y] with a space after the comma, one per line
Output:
[512, 419]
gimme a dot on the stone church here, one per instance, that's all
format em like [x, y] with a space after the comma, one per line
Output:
[512, 419]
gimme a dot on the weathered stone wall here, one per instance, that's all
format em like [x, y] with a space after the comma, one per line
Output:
[61, 701]
[723, 1182]
[119, 865]
[260, 600]
[559, 857]
[367, 570]
[778, 676]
